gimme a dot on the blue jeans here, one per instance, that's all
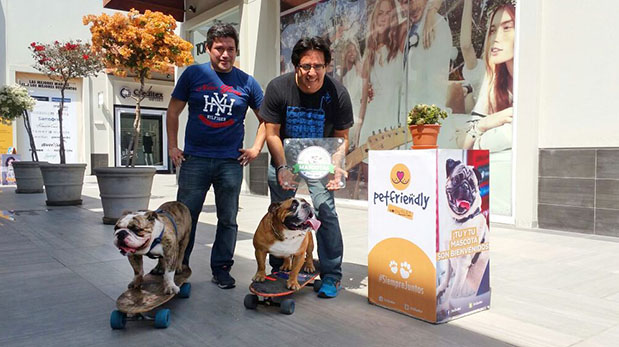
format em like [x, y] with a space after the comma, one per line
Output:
[329, 236]
[196, 176]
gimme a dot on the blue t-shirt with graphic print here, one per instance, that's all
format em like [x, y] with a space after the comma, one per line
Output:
[303, 115]
[217, 103]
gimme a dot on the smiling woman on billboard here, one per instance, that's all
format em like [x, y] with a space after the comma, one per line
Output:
[491, 128]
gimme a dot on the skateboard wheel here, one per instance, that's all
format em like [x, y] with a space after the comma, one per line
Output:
[250, 301]
[118, 320]
[162, 319]
[287, 306]
[317, 284]
[185, 291]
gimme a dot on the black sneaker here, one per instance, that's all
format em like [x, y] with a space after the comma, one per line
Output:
[223, 279]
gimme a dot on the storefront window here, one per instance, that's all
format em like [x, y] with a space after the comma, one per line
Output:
[197, 36]
[151, 142]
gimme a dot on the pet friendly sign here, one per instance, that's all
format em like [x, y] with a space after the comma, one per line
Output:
[428, 232]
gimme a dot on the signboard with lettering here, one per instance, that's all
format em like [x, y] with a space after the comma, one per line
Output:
[6, 137]
[128, 92]
[428, 234]
[44, 120]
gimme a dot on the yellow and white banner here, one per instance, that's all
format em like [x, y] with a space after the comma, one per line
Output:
[428, 232]
[6, 137]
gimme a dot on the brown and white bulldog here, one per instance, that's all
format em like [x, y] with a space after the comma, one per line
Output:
[162, 234]
[286, 232]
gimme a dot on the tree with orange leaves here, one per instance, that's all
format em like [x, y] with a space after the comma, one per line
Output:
[138, 44]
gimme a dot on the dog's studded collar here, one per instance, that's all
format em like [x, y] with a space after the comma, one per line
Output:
[278, 235]
[471, 216]
[158, 239]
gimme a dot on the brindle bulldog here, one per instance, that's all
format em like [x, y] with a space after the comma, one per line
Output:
[162, 234]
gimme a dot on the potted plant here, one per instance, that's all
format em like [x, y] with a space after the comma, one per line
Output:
[424, 123]
[63, 62]
[14, 103]
[136, 44]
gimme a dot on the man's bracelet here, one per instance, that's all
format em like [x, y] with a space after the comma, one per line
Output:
[281, 167]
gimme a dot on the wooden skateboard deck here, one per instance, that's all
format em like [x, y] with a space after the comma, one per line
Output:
[275, 284]
[150, 295]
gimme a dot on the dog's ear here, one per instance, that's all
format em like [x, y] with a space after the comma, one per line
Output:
[274, 206]
[450, 165]
[151, 216]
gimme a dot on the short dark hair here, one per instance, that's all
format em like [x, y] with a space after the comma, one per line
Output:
[310, 43]
[221, 30]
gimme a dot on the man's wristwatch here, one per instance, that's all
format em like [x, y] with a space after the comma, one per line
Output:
[286, 167]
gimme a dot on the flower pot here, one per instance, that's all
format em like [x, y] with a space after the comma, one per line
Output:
[123, 189]
[63, 183]
[28, 176]
[424, 136]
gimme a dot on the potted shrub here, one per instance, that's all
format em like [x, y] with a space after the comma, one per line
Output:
[136, 44]
[64, 61]
[14, 103]
[424, 123]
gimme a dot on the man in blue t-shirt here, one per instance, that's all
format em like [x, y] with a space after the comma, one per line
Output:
[218, 95]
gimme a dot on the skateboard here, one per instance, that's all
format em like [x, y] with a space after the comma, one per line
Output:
[273, 291]
[133, 304]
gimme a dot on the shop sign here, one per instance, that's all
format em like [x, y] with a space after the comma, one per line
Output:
[126, 92]
[201, 48]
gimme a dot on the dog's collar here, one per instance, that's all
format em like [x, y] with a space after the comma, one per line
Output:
[158, 239]
[277, 234]
[469, 217]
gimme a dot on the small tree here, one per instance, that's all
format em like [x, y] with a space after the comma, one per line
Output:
[14, 103]
[63, 61]
[138, 44]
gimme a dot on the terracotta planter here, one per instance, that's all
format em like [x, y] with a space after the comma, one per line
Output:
[28, 177]
[424, 136]
[123, 188]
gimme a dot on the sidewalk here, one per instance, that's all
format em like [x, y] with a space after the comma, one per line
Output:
[60, 276]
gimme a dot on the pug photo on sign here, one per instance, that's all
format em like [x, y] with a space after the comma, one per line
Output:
[464, 200]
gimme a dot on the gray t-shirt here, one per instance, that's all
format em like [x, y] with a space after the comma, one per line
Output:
[303, 115]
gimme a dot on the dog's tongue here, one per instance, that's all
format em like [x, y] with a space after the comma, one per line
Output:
[135, 242]
[132, 243]
[127, 249]
[463, 204]
[314, 222]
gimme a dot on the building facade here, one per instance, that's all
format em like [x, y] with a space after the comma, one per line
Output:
[565, 153]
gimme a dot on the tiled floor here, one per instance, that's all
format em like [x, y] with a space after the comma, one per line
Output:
[60, 275]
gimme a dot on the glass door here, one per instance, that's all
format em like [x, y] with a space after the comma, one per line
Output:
[152, 144]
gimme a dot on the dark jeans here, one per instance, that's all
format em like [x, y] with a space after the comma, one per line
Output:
[196, 176]
[329, 236]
